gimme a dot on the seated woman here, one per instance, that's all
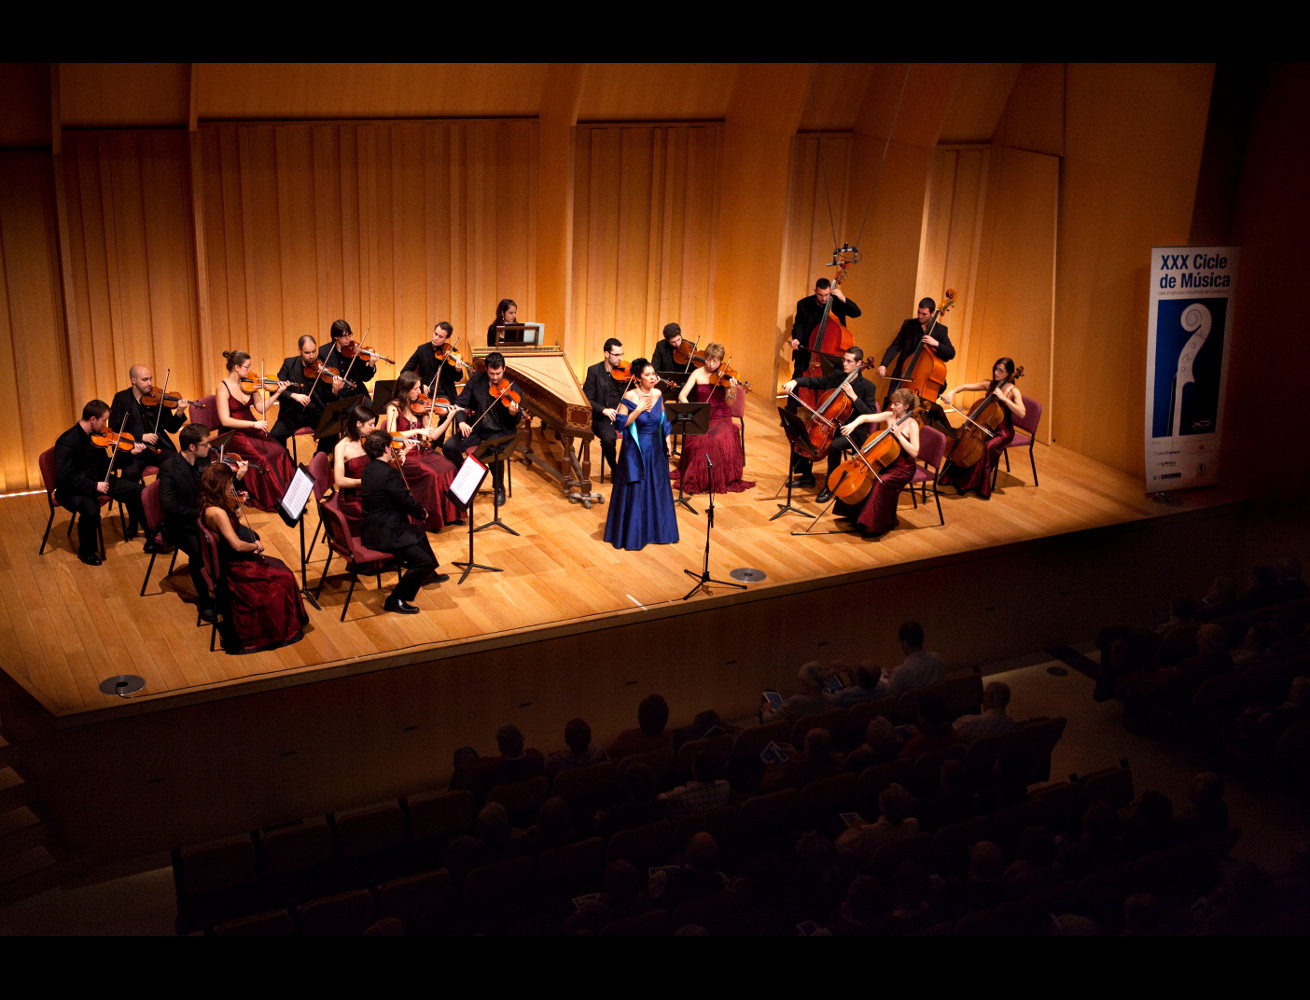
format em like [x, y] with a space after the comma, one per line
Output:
[978, 477]
[271, 468]
[263, 609]
[877, 515]
[427, 471]
[349, 461]
[722, 443]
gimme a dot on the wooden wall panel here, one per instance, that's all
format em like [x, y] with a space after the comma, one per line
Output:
[131, 255]
[644, 234]
[382, 225]
[32, 331]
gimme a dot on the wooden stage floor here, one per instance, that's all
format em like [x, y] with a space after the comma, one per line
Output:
[65, 627]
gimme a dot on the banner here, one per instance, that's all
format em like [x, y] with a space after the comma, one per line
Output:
[1192, 294]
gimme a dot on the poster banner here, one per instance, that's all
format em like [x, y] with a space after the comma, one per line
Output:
[1193, 290]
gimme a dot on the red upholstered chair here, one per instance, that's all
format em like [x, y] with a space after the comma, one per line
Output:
[320, 467]
[154, 528]
[49, 472]
[204, 411]
[301, 432]
[1025, 435]
[212, 572]
[359, 557]
[928, 469]
[739, 414]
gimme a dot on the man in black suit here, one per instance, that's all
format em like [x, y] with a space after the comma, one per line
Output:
[179, 491]
[152, 446]
[304, 406]
[912, 333]
[82, 477]
[863, 397]
[809, 311]
[604, 391]
[500, 419]
[424, 362]
[388, 504]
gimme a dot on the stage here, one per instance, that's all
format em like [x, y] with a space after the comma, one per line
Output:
[373, 706]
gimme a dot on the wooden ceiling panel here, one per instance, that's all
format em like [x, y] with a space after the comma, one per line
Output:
[618, 92]
[923, 108]
[980, 96]
[105, 95]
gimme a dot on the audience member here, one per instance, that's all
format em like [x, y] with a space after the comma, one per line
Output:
[881, 744]
[697, 876]
[867, 684]
[814, 763]
[920, 668]
[650, 734]
[580, 753]
[896, 804]
[934, 727]
[514, 763]
[993, 720]
[706, 790]
[812, 698]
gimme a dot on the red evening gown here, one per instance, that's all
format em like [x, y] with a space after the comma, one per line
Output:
[878, 514]
[266, 487]
[978, 477]
[349, 501]
[265, 610]
[723, 442]
[428, 472]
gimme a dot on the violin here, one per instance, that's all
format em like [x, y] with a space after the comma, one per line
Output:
[113, 440]
[168, 400]
[232, 460]
[726, 371]
[982, 421]
[255, 383]
[425, 404]
[623, 373]
[925, 375]
[316, 369]
[447, 355]
[501, 390]
[685, 353]
[851, 481]
[354, 349]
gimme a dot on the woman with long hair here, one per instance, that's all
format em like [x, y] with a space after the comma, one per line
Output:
[349, 461]
[722, 443]
[978, 477]
[427, 471]
[877, 515]
[271, 468]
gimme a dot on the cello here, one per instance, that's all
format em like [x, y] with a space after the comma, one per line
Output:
[981, 422]
[831, 412]
[925, 375]
[851, 481]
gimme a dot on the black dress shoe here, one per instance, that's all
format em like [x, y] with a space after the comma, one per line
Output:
[824, 496]
[500, 497]
[804, 482]
[208, 616]
[400, 607]
[153, 547]
[441, 578]
[91, 560]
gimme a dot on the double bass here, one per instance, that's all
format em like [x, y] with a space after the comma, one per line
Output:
[828, 337]
[980, 423]
[925, 375]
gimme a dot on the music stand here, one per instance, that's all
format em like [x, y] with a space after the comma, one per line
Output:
[516, 334]
[461, 493]
[688, 418]
[703, 579]
[794, 427]
[329, 424]
[291, 508]
[491, 451]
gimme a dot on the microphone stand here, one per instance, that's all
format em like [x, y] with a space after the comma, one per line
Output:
[703, 578]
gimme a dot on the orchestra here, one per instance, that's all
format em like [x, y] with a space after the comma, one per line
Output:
[870, 450]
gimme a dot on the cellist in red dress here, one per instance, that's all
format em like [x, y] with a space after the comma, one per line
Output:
[1001, 391]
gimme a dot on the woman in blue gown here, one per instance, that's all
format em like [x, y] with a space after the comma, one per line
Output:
[641, 506]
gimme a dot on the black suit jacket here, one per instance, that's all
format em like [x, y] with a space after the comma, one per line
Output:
[352, 368]
[79, 464]
[907, 341]
[179, 494]
[476, 398]
[140, 421]
[866, 394]
[808, 312]
[386, 501]
[424, 362]
[602, 390]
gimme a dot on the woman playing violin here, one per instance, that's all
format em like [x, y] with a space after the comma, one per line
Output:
[260, 606]
[978, 477]
[245, 411]
[349, 461]
[427, 471]
[722, 443]
[877, 516]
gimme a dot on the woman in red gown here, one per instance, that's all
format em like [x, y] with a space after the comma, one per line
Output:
[247, 414]
[349, 461]
[722, 443]
[427, 471]
[978, 477]
[877, 515]
[263, 607]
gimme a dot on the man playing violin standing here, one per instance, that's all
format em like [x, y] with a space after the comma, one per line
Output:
[492, 416]
[303, 408]
[152, 445]
[433, 361]
[864, 399]
[179, 492]
[603, 390]
[82, 477]
[662, 357]
[912, 333]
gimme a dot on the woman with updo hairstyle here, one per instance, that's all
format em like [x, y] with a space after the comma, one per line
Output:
[260, 607]
[877, 515]
[977, 478]
[349, 461]
[723, 442]
[641, 505]
[247, 414]
[426, 470]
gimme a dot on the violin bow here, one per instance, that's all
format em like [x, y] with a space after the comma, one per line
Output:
[114, 456]
[160, 415]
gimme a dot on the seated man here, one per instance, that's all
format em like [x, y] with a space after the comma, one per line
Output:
[992, 720]
[706, 790]
[920, 668]
[811, 699]
[513, 764]
[485, 416]
[148, 425]
[179, 488]
[603, 392]
[82, 477]
[868, 685]
[387, 502]
[650, 734]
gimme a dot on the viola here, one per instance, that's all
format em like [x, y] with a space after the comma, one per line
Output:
[447, 355]
[981, 422]
[925, 375]
[502, 391]
[726, 371]
[851, 481]
[255, 383]
[316, 370]
[169, 400]
[113, 440]
[232, 460]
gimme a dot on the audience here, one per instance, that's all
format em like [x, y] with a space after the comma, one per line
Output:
[706, 790]
[993, 720]
[580, 753]
[920, 668]
[811, 699]
[650, 734]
